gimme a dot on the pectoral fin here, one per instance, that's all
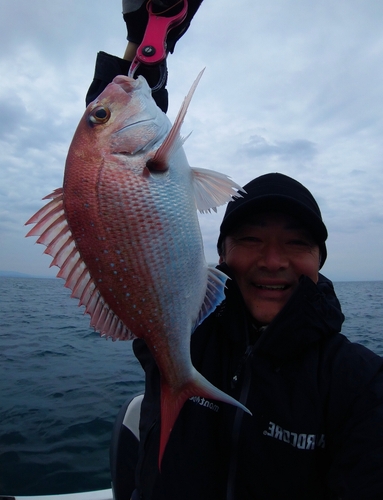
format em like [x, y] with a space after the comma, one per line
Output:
[212, 189]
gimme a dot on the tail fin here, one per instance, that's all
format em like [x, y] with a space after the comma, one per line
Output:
[173, 400]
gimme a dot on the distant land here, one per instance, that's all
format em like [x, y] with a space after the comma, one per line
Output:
[15, 274]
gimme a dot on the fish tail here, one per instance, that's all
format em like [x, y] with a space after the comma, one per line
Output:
[172, 402]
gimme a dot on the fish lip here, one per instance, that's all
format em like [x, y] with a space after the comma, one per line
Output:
[133, 83]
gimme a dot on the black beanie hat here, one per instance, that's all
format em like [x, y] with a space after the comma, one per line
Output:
[277, 192]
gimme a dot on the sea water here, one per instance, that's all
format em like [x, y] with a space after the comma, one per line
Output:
[61, 385]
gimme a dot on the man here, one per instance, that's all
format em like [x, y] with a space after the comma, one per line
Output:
[316, 430]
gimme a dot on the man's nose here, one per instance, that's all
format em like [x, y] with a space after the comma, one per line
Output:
[273, 257]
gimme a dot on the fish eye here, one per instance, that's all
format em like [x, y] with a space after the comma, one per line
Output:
[99, 115]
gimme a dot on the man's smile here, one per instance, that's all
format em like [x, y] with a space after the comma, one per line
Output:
[271, 287]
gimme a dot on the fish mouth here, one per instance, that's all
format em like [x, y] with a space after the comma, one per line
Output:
[128, 84]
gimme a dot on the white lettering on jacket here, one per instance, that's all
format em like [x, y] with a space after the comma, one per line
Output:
[301, 441]
[205, 402]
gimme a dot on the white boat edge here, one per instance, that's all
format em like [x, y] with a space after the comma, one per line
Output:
[87, 495]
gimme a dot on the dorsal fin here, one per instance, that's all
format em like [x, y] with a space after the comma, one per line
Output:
[53, 230]
[173, 141]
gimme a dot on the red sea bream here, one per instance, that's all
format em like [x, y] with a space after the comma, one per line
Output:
[125, 234]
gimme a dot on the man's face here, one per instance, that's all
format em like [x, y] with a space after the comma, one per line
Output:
[267, 255]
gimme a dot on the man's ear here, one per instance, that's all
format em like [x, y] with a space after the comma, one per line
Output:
[221, 251]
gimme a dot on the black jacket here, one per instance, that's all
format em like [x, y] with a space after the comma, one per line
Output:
[316, 398]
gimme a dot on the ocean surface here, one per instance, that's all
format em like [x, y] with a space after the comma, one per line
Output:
[61, 385]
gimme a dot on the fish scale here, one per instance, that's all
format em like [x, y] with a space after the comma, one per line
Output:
[124, 232]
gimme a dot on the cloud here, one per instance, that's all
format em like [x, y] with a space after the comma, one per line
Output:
[298, 149]
[289, 86]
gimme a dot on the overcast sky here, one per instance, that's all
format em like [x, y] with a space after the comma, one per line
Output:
[291, 86]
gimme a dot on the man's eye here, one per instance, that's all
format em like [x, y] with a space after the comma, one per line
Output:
[250, 239]
[300, 242]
